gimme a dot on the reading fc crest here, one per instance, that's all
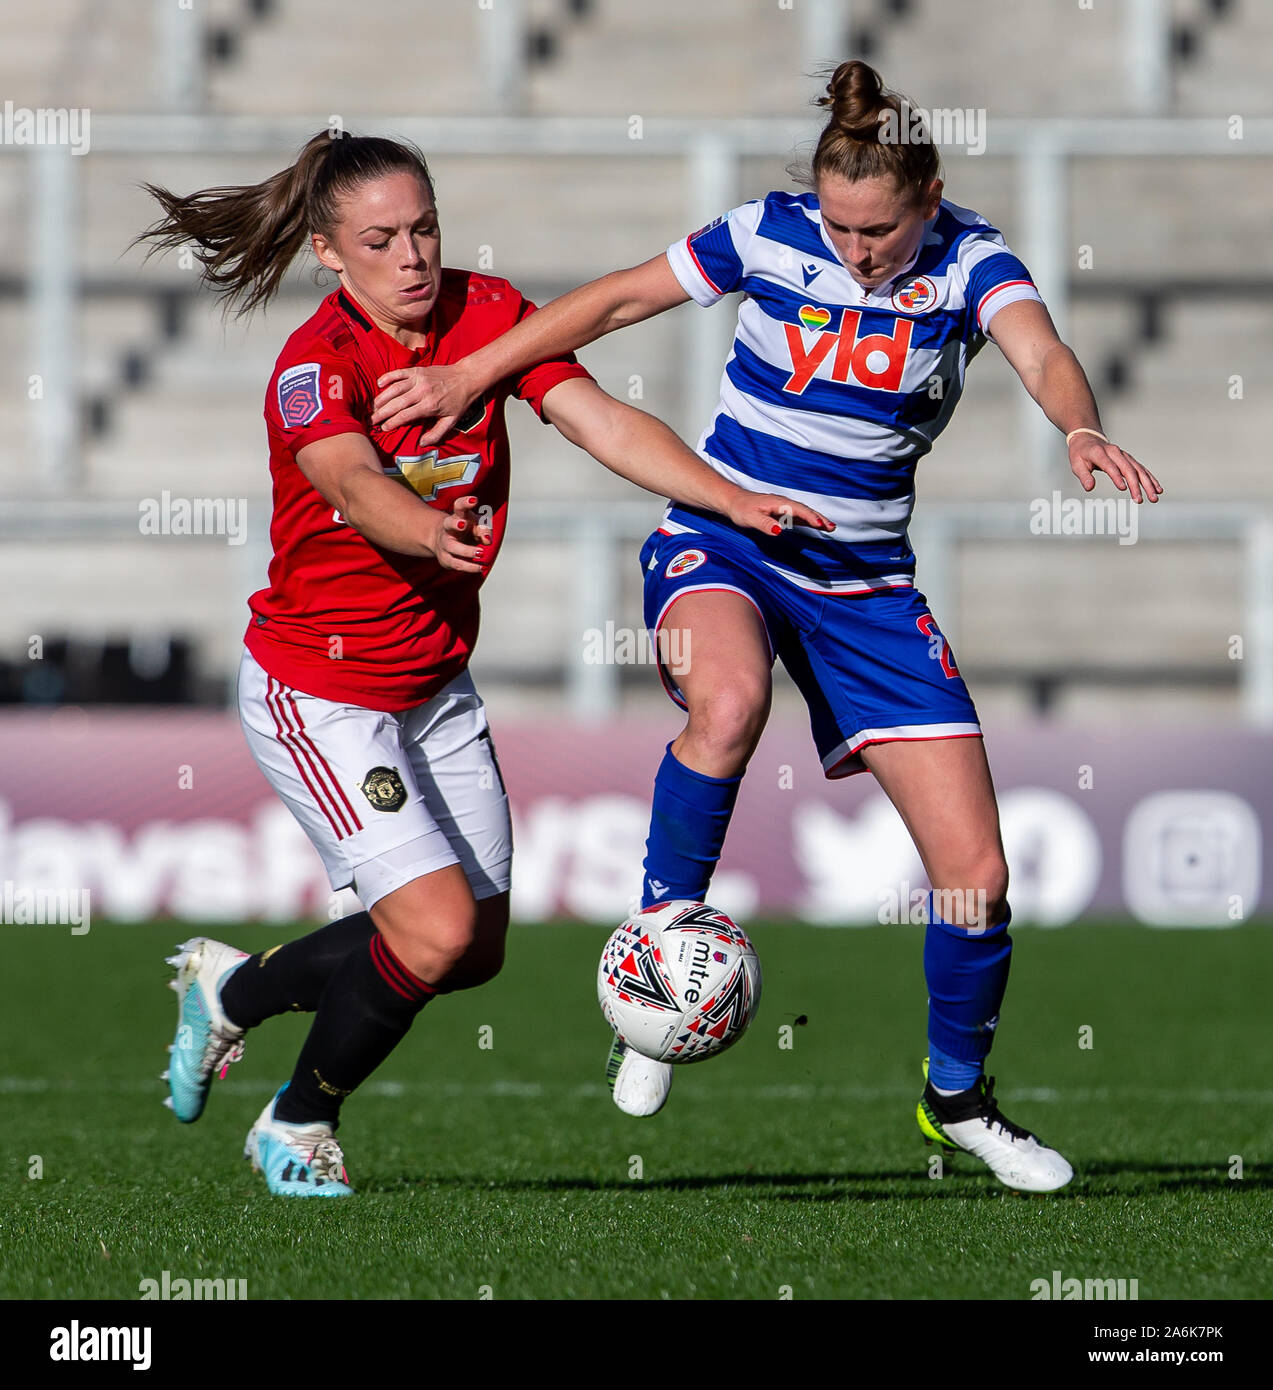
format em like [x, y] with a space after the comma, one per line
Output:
[684, 562]
[915, 296]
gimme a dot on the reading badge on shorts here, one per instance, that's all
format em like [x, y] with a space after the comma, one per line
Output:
[684, 562]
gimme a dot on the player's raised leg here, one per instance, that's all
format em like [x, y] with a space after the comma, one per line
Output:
[715, 656]
[223, 992]
[291, 977]
[723, 676]
[943, 791]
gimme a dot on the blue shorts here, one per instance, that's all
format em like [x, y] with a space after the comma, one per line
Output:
[872, 667]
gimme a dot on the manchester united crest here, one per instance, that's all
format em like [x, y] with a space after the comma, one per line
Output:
[383, 788]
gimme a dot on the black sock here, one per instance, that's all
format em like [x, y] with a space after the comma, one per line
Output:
[292, 978]
[365, 1012]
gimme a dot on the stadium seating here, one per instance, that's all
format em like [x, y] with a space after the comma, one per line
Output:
[190, 419]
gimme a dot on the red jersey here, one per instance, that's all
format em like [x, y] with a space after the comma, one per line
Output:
[342, 618]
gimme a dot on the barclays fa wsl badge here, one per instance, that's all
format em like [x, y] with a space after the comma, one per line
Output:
[383, 788]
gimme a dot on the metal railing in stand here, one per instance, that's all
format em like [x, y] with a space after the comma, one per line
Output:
[603, 538]
[712, 150]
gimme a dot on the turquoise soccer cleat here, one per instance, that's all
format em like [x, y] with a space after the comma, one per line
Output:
[206, 1041]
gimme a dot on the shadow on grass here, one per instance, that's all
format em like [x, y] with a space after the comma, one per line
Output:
[1093, 1180]
[1166, 1177]
[775, 1187]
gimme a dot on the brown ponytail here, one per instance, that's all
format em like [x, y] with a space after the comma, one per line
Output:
[246, 237]
[850, 145]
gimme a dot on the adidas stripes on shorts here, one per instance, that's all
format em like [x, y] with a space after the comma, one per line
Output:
[384, 798]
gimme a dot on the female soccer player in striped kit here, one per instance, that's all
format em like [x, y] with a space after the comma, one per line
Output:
[354, 691]
[863, 301]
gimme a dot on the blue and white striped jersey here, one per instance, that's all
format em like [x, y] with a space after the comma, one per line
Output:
[832, 393]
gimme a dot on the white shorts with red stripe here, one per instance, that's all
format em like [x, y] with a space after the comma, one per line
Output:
[384, 798]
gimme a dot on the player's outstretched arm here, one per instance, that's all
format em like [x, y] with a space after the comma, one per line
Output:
[590, 312]
[642, 449]
[1054, 377]
[346, 472]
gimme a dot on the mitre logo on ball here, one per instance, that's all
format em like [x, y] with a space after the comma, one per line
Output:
[679, 982]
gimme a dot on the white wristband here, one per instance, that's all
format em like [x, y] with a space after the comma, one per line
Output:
[1084, 430]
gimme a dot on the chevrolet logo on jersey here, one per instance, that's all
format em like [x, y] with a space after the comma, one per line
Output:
[426, 474]
[874, 360]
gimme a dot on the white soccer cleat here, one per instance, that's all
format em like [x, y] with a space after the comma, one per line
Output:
[296, 1160]
[206, 1042]
[972, 1121]
[638, 1084]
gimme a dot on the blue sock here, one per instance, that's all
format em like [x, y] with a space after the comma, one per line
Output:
[689, 816]
[967, 975]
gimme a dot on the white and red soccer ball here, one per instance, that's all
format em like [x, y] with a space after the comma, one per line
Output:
[679, 982]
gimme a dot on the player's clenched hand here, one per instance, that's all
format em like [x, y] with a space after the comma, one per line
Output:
[767, 512]
[1088, 454]
[422, 393]
[462, 540]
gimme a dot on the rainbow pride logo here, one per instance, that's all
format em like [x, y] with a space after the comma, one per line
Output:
[813, 319]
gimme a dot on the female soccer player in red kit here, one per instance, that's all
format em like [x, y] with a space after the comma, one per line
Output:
[353, 691]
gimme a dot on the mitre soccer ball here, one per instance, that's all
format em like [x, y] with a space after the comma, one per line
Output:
[679, 982]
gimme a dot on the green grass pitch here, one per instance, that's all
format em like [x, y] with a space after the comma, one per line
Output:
[504, 1171]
